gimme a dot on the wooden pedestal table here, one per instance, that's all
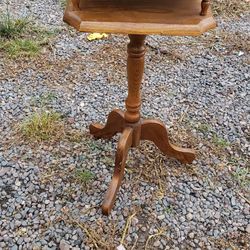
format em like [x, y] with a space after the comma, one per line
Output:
[137, 18]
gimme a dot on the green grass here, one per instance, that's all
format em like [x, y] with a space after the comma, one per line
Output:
[21, 37]
[63, 3]
[44, 99]
[84, 176]
[41, 126]
[47, 98]
[220, 142]
[22, 47]
[242, 176]
[234, 160]
[42, 33]
[204, 128]
[169, 210]
[11, 28]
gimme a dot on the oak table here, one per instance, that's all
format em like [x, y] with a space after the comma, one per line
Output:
[138, 18]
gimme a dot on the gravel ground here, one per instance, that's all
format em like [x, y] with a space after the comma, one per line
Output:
[198, 86]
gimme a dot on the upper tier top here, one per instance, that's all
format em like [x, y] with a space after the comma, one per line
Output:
[165, 17]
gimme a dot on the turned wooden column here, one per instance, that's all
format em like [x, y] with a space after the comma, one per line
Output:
[204, 7]
[135, 69]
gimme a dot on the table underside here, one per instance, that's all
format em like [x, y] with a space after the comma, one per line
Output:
[166, 17]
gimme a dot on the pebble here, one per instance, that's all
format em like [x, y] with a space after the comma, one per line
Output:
[157, 243]
[233, 201]
[189, 216]
[15, 247]
[161, 217]
[217, 215]
[216, 233]
[248, 229]
[182, 219]
[64, 245]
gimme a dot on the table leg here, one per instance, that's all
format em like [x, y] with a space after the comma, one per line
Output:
[124, 144]
[156, 132]
[204, 7]
[115, 124]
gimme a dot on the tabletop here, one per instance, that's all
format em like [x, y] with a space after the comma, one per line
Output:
[166, 17]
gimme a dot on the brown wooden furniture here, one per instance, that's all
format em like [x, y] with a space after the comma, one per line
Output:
[137, 18]
[205, 4]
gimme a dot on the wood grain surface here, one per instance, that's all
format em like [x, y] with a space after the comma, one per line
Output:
[166, 17]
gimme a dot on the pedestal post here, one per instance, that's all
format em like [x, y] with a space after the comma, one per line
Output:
[135, 69]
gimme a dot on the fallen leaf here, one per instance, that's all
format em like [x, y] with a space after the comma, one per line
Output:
[96, 36]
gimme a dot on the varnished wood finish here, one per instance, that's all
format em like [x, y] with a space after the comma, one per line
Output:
[205, 4]
[156, 132]
[151, 130]
[124, 144]
[135, 68]
[166, 17]
[115, 124]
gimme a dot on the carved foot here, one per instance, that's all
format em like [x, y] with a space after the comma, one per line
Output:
[115, 124]
[124, 144]
[156, 132]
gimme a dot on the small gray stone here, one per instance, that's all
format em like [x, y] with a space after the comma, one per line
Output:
[191, 235]
[217, 215]
[248, 229]
[182, 219]
[216, 233]
[233, 201]
[161, 217]
[157, 243]
[64, 245]
[18, 216]
[189, 216]
[3, 171]
[15, 247]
